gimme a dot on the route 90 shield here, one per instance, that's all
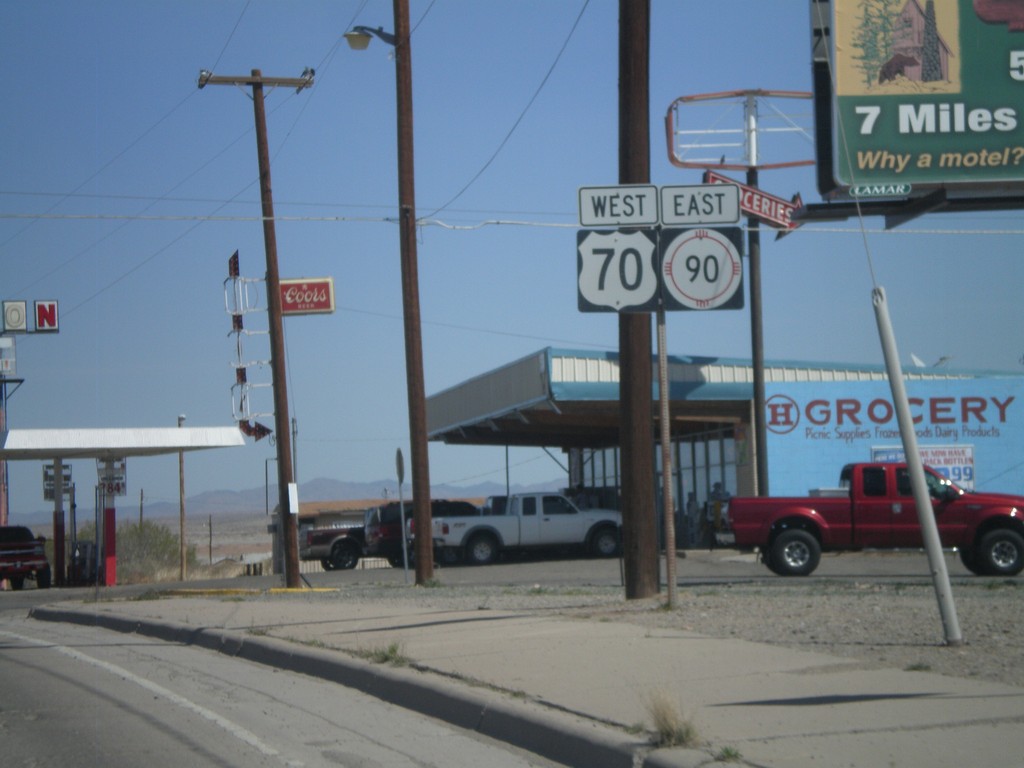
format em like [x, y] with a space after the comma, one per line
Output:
[634, 270]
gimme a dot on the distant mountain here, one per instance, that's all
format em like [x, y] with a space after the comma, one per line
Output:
[318, 489]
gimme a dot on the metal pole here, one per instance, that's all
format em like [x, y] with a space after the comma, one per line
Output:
[411, 299]
[636, 441]
[915, 468]
[3, 462]
[181, 507]
[295, 450]
[400, 471]
[757, 348]
[664, 397]
[59, 567]
[756, 326]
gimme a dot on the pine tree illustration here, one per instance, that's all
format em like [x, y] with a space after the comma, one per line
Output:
[931, 68]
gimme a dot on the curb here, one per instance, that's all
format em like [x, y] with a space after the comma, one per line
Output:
[553, 735]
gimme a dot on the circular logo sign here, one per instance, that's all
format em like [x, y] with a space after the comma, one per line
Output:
[783, 414]
[702, 269]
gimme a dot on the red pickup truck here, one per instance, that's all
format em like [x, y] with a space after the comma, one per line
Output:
[23, 555]
[876, 510]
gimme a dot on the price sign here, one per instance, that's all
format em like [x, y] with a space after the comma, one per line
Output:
[702, 269]
[617, 271]
[112, 476]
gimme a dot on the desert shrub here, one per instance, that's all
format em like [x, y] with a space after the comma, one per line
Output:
[146, 551]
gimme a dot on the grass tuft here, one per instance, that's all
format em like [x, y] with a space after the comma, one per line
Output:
[671, 728]
[728, 755]
[392, 655]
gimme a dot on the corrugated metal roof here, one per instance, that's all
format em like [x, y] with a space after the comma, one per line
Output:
[576, 366]
[570, 397]
[18, 444]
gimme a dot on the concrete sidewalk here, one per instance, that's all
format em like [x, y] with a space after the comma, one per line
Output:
[574, 690]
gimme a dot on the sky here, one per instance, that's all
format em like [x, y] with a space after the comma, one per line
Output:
[124, 189]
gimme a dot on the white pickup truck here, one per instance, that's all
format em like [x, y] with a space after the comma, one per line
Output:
[525, 521]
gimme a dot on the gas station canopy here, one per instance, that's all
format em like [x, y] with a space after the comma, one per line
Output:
[45, 444]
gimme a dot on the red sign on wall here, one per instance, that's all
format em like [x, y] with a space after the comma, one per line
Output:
[307, 296]
[770, 209]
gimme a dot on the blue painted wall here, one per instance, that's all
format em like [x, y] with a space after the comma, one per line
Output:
[816, 428]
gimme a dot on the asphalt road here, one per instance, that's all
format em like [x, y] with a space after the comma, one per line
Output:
[77, 695]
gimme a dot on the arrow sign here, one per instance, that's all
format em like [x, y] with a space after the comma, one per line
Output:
[753, 202]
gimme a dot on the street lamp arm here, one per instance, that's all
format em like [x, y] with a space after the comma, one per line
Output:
[359, 36]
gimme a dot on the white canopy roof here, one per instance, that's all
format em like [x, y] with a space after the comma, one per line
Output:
[43, 444]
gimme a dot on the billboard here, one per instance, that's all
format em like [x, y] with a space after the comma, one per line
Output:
[927, 93]
[971, 428]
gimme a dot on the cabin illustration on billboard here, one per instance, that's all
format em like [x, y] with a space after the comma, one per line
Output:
[897, 46]
[918, 51]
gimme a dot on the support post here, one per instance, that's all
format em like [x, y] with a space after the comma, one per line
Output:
[411, 298]
[285, 478]
[757, 347]
[668, 507]
[636, 436]
[915, 469]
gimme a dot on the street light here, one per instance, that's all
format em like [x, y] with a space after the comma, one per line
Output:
[181, 504]
[358, 38]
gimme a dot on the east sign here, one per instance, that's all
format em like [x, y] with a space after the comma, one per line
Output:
[928, 93]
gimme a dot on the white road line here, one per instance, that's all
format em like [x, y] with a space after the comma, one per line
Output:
[234, 729]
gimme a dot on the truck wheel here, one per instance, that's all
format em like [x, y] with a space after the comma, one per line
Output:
[344, 556]
[482, 549]
[969, 558]
[43, 578]
[1001, 553]
[604, 542]
[448, 556]
[795, 552]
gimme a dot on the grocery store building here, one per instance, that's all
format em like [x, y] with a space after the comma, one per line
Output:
[970, 425]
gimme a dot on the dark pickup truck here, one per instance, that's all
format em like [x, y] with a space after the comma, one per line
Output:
[876, 510]
[22, 556]
[337, 547]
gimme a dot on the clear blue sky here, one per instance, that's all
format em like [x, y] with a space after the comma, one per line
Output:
[125, 189]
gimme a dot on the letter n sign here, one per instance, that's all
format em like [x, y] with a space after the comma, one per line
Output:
[46, 317]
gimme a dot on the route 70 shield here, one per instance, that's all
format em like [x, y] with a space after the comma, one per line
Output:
[617, 271]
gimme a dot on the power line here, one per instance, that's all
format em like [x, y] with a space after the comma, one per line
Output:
[518, 120]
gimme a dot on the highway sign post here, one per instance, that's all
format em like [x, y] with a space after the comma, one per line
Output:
[700, 205]
[641, 269]
[702, 268]
[626, 205]
[617, 271]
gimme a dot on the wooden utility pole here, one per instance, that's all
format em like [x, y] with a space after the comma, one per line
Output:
[285, 477]
[636, 435]
[411, 298]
